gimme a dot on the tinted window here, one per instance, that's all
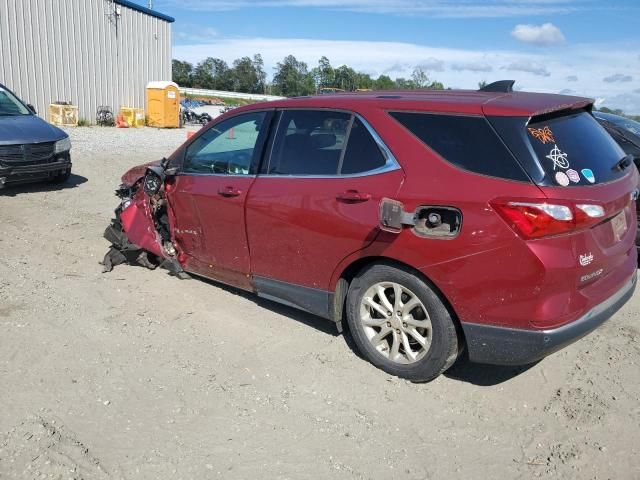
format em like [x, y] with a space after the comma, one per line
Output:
[363, 153]
[309, 142]
[575, 150]
[467, 142]
[226, 148]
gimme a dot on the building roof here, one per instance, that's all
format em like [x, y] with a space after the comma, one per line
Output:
[148, 11]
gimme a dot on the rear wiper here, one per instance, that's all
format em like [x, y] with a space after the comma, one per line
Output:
[624, 163]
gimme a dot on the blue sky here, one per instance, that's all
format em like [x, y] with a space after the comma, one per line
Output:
[584, 47]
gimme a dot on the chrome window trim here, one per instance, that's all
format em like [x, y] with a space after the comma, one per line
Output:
[390, 165]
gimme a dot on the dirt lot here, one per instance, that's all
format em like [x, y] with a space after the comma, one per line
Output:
[135, 374]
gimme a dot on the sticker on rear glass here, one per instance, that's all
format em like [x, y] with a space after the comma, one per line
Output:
[588, 174]
[573, 175]
[562, 179]
[559, 158]
[545, 135]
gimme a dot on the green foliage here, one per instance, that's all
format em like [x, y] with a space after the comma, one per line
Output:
[384, 82]
[83, 122]
[291, 77]
[182, 73]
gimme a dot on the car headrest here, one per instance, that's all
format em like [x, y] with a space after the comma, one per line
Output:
[323, 140]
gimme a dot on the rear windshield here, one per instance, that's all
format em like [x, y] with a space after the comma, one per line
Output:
[574, 149]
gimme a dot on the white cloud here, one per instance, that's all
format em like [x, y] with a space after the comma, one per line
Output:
[618, 77]
[196, 34]
[435, 8]
[545, 34]
[472, 67]
[543, 70]
[526, 66]
[432, 65]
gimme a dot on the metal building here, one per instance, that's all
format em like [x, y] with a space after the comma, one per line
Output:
[87, 52]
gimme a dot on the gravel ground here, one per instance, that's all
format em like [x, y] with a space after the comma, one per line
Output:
[136, 375]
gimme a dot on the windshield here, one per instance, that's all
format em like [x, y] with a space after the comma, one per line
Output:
[10, 105]
[626, 123]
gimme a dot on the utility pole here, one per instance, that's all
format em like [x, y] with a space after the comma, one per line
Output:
[150, 4]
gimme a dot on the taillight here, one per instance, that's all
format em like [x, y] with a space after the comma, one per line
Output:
[537, 219]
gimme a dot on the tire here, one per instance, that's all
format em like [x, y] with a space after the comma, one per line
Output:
[425, 325]
[61, 177]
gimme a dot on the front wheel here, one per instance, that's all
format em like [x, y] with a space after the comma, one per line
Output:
[400, 324]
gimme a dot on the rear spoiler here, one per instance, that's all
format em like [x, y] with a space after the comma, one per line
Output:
[501, 86]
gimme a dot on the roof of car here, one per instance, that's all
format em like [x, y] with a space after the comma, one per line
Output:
[451, 101]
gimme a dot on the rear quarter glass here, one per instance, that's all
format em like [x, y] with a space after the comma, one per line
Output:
[574, 149]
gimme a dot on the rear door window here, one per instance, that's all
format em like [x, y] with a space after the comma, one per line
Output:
[309, 142]
[574, 149]
[468, 142]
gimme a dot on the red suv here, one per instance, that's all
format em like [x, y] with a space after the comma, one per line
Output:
[497, 220]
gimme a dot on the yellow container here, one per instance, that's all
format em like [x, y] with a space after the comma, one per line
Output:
[163, 105]
[63, 115]
[133, 116]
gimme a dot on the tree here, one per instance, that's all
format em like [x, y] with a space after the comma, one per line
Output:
[258, 65]
[292, 79]
[245, 77]
[345, 78]
[384, 82]
[181, 73]
[420, 78]
[323, 74]
[404, 84]
[213, 73]
[482, 84]
[364, 81]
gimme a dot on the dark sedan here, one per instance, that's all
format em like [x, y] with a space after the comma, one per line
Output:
[30, 148]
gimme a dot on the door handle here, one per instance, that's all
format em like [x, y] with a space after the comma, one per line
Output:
[229, 191]
[353, 196]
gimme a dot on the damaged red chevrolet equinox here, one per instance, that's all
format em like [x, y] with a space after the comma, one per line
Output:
[497, 221]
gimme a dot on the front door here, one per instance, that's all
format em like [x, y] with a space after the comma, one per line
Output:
[209, 194]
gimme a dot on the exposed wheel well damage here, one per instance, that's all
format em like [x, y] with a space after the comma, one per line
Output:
[352, 270]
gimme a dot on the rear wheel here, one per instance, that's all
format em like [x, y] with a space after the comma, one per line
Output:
[400, 324]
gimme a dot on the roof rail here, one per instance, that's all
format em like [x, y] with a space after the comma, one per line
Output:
[503, 86]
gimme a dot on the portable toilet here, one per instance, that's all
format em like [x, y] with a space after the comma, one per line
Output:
[163, 105]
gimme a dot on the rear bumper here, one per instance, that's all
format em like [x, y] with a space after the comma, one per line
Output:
[510, 346]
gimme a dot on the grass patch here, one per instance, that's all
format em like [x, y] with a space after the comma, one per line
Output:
[83, 122]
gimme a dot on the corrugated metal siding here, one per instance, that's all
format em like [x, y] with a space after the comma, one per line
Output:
[68, 50]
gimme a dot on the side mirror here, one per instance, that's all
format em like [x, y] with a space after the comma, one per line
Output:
[32, 108]
[153, 180]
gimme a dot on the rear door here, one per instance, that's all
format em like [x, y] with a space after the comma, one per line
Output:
[316, 200]
[209, 195]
